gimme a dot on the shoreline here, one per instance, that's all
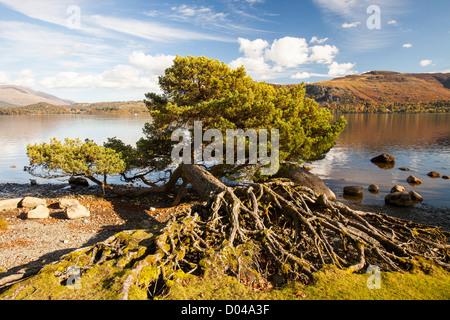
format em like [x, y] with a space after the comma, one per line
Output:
[26, 245]
[29, 244]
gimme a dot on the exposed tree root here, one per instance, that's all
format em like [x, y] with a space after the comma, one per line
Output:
[262, 231]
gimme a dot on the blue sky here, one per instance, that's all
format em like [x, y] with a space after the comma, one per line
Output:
[110, 50]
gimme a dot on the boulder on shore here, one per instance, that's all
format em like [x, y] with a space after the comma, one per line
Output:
[40, 212]
[77, 211]
[400, 199]
[354, 191]
[67, 202]
[9, 204]
[384, 158]
[32, 202]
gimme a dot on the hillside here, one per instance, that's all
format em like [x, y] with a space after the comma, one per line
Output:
[380, 87]
[116, 107]
[11, 95]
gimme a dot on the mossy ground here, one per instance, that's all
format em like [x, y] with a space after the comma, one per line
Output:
[330, 284]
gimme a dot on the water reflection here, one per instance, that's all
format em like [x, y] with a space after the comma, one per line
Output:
[419, 142]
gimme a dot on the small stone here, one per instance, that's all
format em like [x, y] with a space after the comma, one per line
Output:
[404, 169]
[397, 188]
[413, 180]
[415, 196]
[9, 204]
[76, 211]
[65, 241]
[353, 191]
[67, 202]
[373, 188]
[307, 168]
[445, 177]
[32, 202]
[40, 212]
[434, 174]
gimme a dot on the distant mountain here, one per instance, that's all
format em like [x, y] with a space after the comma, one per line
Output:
[381, 86]
[11, 95]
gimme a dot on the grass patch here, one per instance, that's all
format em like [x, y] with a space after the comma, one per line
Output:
[330, 284]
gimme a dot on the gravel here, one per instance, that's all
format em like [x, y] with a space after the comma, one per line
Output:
[27, 245]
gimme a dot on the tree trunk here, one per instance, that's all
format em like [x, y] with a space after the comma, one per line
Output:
[203, 182]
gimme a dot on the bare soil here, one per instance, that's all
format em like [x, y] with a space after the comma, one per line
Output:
[27, 245]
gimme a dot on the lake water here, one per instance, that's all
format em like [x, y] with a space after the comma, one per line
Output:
[420, 142]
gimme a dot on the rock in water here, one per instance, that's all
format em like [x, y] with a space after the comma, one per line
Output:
[40, 212]
[302, 177]
[32, 202]
[397, 188]
[413, 180]
[373, 188]
[77, 211]
[401, 199]
[415, 196]
[434, 174]
[355, 191]
[384, 158]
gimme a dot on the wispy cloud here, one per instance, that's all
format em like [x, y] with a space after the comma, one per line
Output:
[351, 17]
[426, 62]
[346, 25]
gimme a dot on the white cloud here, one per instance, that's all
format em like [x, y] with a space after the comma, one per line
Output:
[301, 75]
[154, 64]
[425, 63]
[24, 78]
[4, 78]
[346, 25]
[288, 52]
[257, 67]
[141, 74]
[317, 40]
[283, 57]
[341, 69]
[394, 22]
[252, 49]
[120, 77]
[407, 45]
[323, 54]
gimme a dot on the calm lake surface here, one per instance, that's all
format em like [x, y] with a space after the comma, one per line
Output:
[420, 142]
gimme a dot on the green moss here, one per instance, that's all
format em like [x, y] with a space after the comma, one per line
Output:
[330, 283]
